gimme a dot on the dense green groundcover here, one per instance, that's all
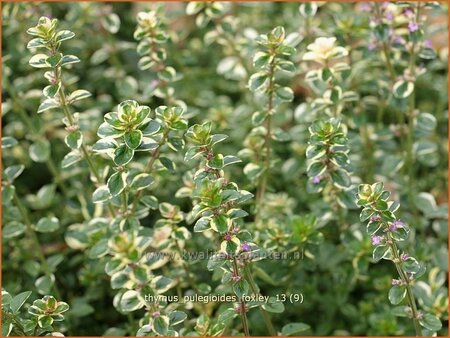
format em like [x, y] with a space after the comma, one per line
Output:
[224, 168]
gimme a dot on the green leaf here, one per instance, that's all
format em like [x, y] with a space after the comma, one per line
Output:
[167, 163]
[101, 194]
[70, 159]
[402, 89]
[105, 145]
[316, 168]
[13, 229]
[8, 142]
[307, 10]
[74, 139]
[150, 128]
[218, 138]
[47, 104]
[285, 94]
[411, 265]
[431, 322]
[130, 301]
[142, 181]
[17, 301]
[397, 294]
[202, 224]
[380, 252]
[45, 321]
[273, 306]
[51, 90]
[69, 59]
[64, 35]
[116, 183]
[78, 95]
[293, 329]
[36, 43]
[12, 172]
[217, 162]
[44, 284]
[47, 224]
[161, 284]
[161, 325]
[133, 138]
[123, 155]
[111, 22]
[261, 59]
[241, 288]
[54, 60]
[100, 249]
[340, 179]
[257, 80]
[39, 61]
[40, 151]
[219, 223]
[177, 317]
[258, 118]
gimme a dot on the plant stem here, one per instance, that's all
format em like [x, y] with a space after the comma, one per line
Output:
[243, 309]
[149, 168]
[35, 240]
[264, 313]
[407, 283]
[83, 147]
[261, 189]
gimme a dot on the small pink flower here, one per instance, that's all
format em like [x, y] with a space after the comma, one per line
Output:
[245, 247]
[316, 180]
[413, 27]
[376, 240]
[428, 44]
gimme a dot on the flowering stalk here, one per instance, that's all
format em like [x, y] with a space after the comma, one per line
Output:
[218, 201]
[328, 163]
[386, 230]
[271, 59]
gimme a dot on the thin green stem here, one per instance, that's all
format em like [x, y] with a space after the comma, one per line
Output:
[254, 287]
[261, 189]
[407, 283]
[83, 147]
[242, 306]
[149, 168]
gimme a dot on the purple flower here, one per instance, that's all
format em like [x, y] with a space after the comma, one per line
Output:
[428, 44]
[365, 7]
[413, 27]
[399, 40]
[404, 257]
[227, 237]
[371, 46]
[235, 278]
[375, 218]
[376, 240]
[156, 314]
[245, 247]
[408, 12]
[396, 224]
[389, 15]
[396, 282]
[316, 180]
